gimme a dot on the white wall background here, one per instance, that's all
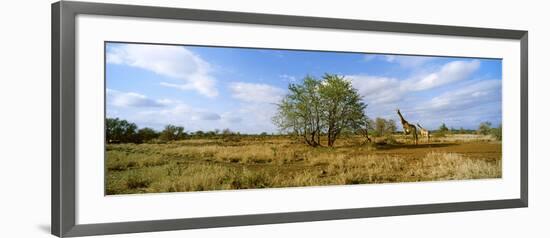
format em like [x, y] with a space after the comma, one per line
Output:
[25, 120]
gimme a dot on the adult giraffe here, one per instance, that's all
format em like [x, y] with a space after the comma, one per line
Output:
[408, 128]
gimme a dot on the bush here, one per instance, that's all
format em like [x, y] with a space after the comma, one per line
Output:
[172, 132]
[443, 128]
[497, 132]
[485, 128]
[230, 136]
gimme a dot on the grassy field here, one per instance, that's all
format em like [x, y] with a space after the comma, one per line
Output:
[278, 161]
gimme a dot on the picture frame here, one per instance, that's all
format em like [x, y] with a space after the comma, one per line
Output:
[64, 120]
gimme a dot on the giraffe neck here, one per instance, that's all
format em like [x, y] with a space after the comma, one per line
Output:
[403, 121]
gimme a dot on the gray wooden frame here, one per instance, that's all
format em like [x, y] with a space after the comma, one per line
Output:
[63, 118]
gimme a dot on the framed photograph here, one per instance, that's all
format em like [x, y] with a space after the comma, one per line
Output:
[168, 119]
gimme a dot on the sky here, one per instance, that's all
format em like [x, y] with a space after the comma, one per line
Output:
[207, 88]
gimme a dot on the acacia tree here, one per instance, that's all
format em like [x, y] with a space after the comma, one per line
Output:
[443, 128]
[172, 132]
[484, 128]
[300, 111]
[364, 127]
[392, 126]
[380, 126]
[384, 127]
[328, 106]
[342, 106]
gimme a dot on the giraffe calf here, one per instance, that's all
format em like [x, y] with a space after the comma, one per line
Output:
[424, 132]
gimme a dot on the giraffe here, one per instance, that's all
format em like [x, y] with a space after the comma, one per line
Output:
[408, 128]
[424, 132]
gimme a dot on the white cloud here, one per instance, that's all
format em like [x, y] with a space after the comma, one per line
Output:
[451, 72]
[376, 89]
[289, 78]
[468, 106]
[370, 57]
[386, 90]
[256, 93]
[257, 108]
[172, 61]
[231, 118]
[148, 112]
[180, 112]
[250, 117]
[131, 99]
[408, 61]
[206, 116]
[467, 96]
[405, 61]
[204, 87]
[256, 117]
[467, 103]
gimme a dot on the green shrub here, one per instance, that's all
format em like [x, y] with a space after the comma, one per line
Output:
[497, 132]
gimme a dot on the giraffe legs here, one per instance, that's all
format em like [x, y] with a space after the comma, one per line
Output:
[415, 136]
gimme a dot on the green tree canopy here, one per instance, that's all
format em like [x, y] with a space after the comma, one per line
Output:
[328, 106]
[497, 132]
[300, 111]
[342, 106]
[120, 131]
[383, 127]
[172, 132]
[147, 134]
[484, 128]
[443, 128]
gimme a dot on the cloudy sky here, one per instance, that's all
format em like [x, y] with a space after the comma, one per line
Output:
[206, 88]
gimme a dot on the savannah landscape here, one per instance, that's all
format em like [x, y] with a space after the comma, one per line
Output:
[312, 130]
[175, 161]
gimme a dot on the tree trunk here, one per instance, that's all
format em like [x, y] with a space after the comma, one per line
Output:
[311, 142]
[331, 138]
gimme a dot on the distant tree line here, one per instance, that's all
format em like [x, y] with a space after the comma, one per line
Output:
[122, 131]
[485, 128]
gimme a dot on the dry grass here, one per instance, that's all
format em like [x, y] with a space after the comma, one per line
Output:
[198, 165]
[452, 166]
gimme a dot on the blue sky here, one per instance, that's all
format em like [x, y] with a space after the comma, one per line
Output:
[207, 88]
